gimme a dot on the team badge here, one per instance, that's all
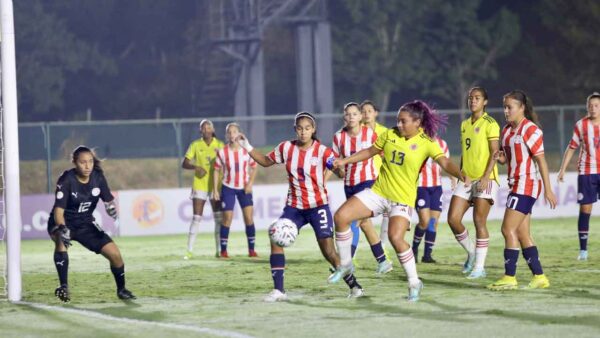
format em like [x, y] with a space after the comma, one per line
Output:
[477, 130]
[59, 195]
[95, 191]
[421, 202]
[579, 196]
[413, 147]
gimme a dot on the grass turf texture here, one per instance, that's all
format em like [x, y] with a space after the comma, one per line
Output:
[206, 292]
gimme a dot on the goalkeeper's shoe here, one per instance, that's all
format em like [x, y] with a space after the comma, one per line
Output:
[356, 292]
[62, 293]
[384, 267]
[414, 292]
[188, 255]
[583, 255]
[476, 274]
[340, 272]
[539, 282]
[504, 283]
[468, 266]
[275, 296]
[125, 294]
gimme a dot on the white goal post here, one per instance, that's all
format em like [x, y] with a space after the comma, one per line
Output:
[10, 153]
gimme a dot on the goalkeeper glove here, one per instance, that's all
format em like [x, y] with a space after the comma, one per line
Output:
[64, 234]
[111, 209]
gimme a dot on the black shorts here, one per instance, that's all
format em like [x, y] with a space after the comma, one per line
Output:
[88, 234]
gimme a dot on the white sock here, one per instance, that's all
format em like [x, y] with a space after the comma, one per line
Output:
[385, 221]
[464, 240]
[407, 259]
[343, 240]
[194, 227]
[481, 252]
[218, 218]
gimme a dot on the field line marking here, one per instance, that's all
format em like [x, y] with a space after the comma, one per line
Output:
[94, 314]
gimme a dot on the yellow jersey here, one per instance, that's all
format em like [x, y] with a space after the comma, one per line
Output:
[377, 160]
[203, 155]
[474, 140]
[402, 162]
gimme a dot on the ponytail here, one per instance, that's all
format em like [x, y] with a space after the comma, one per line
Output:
[431, 122]
[527, 103]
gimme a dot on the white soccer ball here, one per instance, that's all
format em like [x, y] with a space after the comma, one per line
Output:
[283, 232]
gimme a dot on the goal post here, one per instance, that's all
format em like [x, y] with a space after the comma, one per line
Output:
[10, 152]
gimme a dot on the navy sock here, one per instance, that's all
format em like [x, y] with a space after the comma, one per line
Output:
[251, 236]
[583, 227]
[224, 235]
[61, 261]
[353, 250]
[533, 260]
[277, 269]
[351, 281]
[119, 274]
[429, 242]
[510, 261]
[419, 233]
[378, 253]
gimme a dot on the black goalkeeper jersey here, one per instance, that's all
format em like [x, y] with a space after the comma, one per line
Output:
[79, 199]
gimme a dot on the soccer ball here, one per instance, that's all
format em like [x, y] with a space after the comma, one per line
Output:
[283, 232]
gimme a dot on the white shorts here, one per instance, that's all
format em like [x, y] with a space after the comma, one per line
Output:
[379, 205]
[199, 195]
[470, 192]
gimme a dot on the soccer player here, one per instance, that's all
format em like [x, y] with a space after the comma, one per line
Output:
[370, 113]
[523, 150]
[239, 171]
[305, 160]
[77, 193]
[405, 148]
[586, 137]
[429, 204]
[200, 157]
[361, 175]
[479, 140]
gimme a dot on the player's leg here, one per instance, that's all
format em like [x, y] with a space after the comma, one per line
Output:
[228, 203]
[510, 224]
[531, 255]
[430, 235]
[420, 229]
[61, 262]
[384, 265]
[587, 191]
[383, 232]
[246, 204]
[218, 219]
[481, 210]
[399, 224]
[352, 209]
[456, 212]
[198, 200]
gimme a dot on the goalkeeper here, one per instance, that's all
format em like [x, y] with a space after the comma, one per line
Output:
[77, 193]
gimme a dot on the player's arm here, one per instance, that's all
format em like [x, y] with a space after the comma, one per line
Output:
[449, 167]
[216, 194]
[248, 186]
[187, 164]
[565, 162]
[540, 159]
[357, 157]
[256, 155]
[494, 147]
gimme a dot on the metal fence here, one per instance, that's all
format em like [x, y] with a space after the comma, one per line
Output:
[169, 138]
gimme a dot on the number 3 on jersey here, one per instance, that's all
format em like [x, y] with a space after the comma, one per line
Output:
[399, 160]
[323, 220]
[84, 206]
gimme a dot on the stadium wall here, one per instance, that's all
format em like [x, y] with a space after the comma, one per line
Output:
[169, 211]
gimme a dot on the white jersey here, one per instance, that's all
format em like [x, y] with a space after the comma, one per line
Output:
[431, 173]
[521, 145]
[345, 145]
[236, 166]
[305, 170]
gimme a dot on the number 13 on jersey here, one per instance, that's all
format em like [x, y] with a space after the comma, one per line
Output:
[397, 157]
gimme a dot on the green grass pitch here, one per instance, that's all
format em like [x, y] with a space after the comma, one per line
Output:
[210, 297]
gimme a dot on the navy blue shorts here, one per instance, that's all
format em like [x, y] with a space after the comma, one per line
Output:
[588, 188]
[520, 203]
[319, 218]
[429, 198]
[228, 196]
[90, 235]
[351, 191]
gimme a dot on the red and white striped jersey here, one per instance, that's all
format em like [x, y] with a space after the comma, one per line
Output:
[345, 145]
[431, 172]
[235, 165]
[520, 145]
[586, 135]
[305, 170]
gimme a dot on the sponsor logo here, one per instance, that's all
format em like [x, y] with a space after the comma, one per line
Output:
[74, 194]
[148, 210]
